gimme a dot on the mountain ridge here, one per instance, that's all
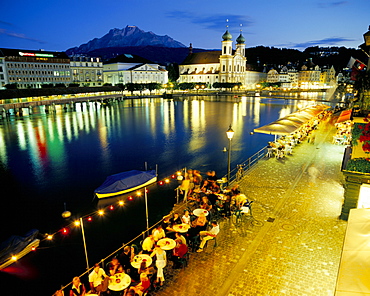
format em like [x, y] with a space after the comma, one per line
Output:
[129, 36]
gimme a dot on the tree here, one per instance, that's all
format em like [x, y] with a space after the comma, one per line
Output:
[153, 86]
[173, 71]
[11, 86]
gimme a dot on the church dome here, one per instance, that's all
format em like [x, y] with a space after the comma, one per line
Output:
[240, 39]
[227, 36]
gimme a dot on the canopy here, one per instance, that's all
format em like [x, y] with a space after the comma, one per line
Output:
[354, 272]
[125, 182]
[344, 116]
[291, 123]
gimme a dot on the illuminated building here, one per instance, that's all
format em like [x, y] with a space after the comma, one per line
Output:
[225, 65]
[87, 71]
[129, 68]
[32, 68]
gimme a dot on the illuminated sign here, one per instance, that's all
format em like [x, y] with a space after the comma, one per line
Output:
[31, 54]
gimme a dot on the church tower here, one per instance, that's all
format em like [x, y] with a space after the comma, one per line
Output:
[240, 61]
[226, 58]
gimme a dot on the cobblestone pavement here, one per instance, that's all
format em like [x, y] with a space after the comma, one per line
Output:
[292, 244]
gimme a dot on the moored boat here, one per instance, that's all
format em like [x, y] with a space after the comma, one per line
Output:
[125, 182]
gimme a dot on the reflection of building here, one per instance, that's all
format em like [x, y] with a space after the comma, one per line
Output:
[129, 68]
[87, 71]
[226, 65]
[32, 68]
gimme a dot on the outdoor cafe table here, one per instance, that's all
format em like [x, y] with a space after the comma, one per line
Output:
[197, 212]
[181, 227]
[136, 261]
[119, 281]
[166, 243]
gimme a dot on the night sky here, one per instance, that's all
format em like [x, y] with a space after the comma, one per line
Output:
[59, 25]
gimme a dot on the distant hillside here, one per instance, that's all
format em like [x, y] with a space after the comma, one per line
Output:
[126, 37]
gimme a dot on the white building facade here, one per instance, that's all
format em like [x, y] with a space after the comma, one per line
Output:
[129, 68]
[87, 71]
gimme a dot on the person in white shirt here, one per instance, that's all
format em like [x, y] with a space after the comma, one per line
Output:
[98, 279]
[158, 233]
[207, 235]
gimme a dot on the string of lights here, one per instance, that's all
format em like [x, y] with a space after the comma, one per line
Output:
[90, 217]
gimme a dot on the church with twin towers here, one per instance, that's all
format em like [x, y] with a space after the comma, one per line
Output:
[227, 65]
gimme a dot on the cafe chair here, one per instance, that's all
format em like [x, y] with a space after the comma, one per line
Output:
[184, 260]
[214, 243]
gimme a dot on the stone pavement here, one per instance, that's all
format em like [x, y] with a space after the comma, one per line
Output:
[292, 244]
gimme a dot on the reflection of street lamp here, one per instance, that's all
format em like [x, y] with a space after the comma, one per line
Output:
[230, 135]
[197, 87]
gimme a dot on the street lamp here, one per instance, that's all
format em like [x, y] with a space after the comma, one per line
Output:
[230, 135]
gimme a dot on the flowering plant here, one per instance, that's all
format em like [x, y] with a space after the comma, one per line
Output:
[361, 132]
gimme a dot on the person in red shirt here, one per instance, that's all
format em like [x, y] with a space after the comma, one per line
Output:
[179, 253]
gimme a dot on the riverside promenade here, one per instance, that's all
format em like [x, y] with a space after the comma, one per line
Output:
[291, 246]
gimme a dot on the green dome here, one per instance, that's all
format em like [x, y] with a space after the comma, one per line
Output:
[240, 39]
[227, 36]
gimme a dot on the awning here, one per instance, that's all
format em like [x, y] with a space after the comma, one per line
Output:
[291, 123]
[344, 116]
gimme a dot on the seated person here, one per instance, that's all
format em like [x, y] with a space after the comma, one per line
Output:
[158, 233]
[149, 270]
[235, 189]
[125, 259]
[77, 289]
[175, 219]
[148, 244]
[240, 200]
[207, 235]
[98, 279]
[205, 187]
[200, 223]
[179, 252]
[205, 204]
[143, 286]
[114, 267]
[179, 237]
[186, 219]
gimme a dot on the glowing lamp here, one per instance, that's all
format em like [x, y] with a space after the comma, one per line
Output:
[101, 212]
[77, 223]
[138, 193]
[146, 190]
[173, 177]
[89, 219]
[65, 231]
[66, 214]
[167, 181]
[130, 198]
[111, 208]
[33, 248]
[160, 182]
[121, 203]
[14, 258]
[230, 133]
[49, 236]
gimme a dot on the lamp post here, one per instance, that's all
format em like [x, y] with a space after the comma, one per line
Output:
[230, 135]
[84, 241]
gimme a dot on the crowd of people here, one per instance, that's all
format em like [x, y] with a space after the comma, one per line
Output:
[169, 243]
[284, 145]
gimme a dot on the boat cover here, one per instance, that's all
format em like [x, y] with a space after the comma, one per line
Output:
[125, 182]
[16, 244]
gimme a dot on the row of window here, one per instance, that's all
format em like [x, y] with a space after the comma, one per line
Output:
[38, 73]
[78, 64]
[20, 79]
[42, 66]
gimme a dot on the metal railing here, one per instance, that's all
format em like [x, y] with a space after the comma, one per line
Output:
[237, 173]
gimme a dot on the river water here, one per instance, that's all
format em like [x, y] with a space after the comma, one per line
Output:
[52, 162]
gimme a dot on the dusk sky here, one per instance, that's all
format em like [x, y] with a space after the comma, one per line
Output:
[59, 25]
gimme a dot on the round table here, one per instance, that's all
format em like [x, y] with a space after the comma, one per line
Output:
[181, 227]
[197, 212]
[119, 281]
[221, 196]
[166, 243]
[136, 261]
